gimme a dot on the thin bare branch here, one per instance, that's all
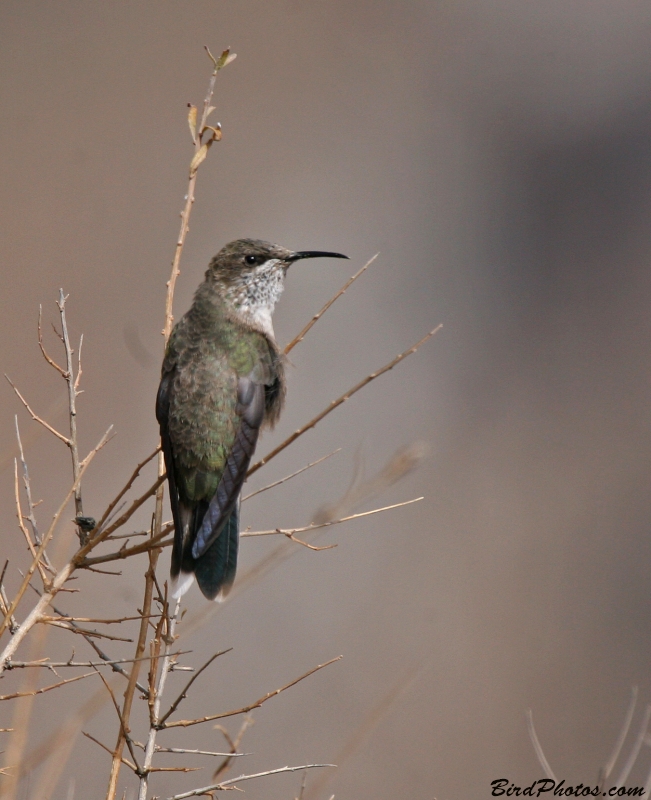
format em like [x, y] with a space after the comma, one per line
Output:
[154, 542]
[72, 383]
[123, 726]
[125, 761]
[189, 197]
[21, 524]
[84, 631]
[160, 749]
[540, 755]
[234, 745]
[46, 688]
[186, 688]
[50, 361]
[31, 517]
[184, 723]
[290, 532]
[103, 663]
[35, 416]
[335, 403]
[289, 477]
[299, 338]
[220, 786]
[619, 743]
[125, 489]
[135, 505]
[635, 750]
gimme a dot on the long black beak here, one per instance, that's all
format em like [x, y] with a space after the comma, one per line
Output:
[314, 254]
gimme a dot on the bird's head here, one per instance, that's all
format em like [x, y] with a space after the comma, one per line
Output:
[249, 274]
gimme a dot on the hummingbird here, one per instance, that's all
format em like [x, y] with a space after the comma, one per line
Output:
[222, 382]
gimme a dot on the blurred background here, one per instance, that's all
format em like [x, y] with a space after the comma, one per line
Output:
[498, 155]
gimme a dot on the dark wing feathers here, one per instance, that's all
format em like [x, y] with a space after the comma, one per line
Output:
[250, 406]
[162, 412]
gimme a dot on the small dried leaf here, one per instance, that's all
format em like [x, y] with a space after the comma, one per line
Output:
[199, 156]
[230, 58]
[192, 121]
[216, 132]
[210, 110]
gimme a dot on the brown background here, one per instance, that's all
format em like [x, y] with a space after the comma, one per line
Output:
[498, 154]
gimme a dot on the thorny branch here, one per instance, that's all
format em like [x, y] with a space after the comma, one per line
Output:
[335, 403]
[184, 723]
[215, 787]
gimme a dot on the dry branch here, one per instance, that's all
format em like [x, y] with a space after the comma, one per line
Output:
[184, 723]
[184, 692]
[46, 688]
[292, 475]
[290, 532]
[216, 787]
[299, 337]
[335, 403]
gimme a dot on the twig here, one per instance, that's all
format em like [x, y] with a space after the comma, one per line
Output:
[185, 690]
[199, 150]
[635, 750]
[219, 786]
[160, 749]
[184, 723]
[21, 524]
[125, 489]
[83, 631]
[157, 541]
[299, 338]
[234, 745]
[50, 361]
[123, 724]
[288, 477]
[66, 618]
[72, 383]
[289, 532]
[46, 688]
[31, 517]
[103, 663]
[135, 505]
[35, 416]
[110, 752]
[619, 743]
[335, 403]
[540, 755]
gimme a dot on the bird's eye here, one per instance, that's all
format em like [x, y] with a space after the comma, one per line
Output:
[250, 260]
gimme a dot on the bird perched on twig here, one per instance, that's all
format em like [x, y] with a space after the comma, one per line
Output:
[222, 381]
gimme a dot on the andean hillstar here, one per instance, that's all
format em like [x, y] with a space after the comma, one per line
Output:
[222, 381]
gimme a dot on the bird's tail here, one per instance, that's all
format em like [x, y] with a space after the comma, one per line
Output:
[215, 569]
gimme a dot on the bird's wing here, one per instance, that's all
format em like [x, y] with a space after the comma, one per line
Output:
[250, 410]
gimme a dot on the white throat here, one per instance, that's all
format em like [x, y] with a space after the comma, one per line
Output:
[254, 300]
